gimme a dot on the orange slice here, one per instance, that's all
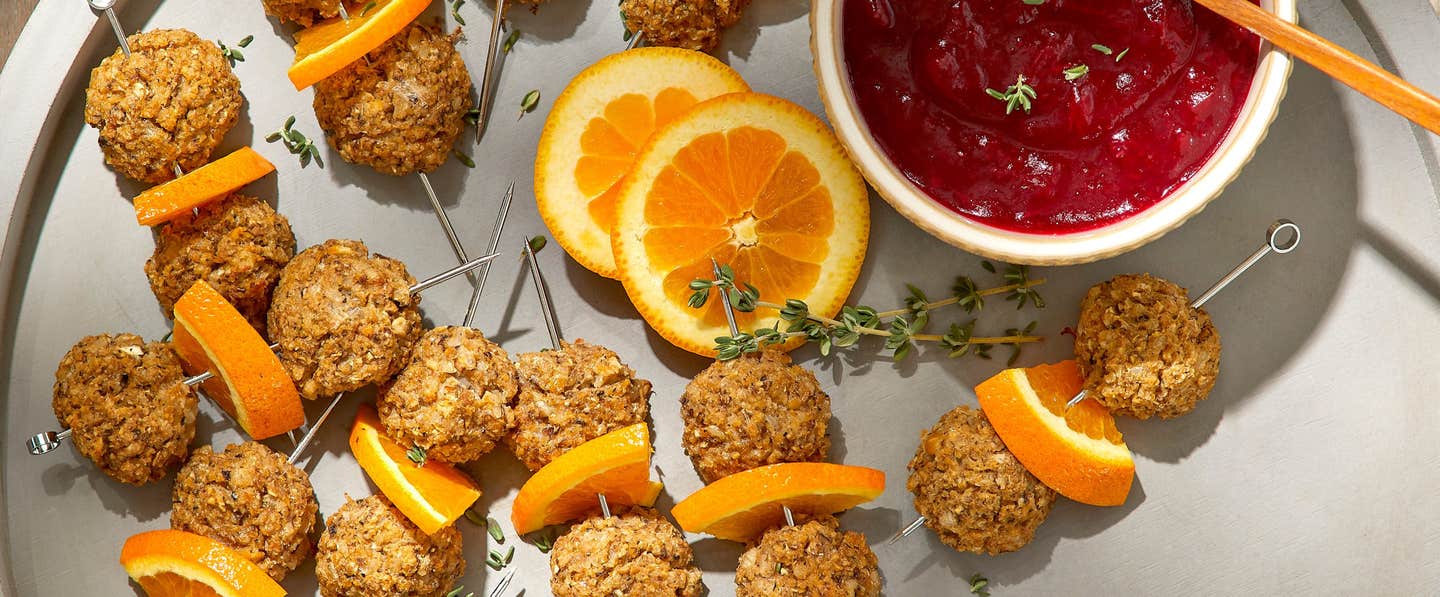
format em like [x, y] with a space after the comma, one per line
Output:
[1078, 452]
[207, 183]
[598, 125]
[616, 464]
[755, 182]
[331, 45]
[173, 563]
[249, 382]
[431, 496]
[743, 505]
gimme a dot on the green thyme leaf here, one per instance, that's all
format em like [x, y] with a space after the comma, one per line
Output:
[368, 5]
[510, 41]
[474, 517]
[493, 528]
[1033, 2]
[1075, 72]
[245, 41]
[455, 592]
[1122, 54]
[455, 11]
[1015, 96]
[979, 585]
[537, 243]
[528, 103]
[464, 159]
[1102, 49]
[417, 455]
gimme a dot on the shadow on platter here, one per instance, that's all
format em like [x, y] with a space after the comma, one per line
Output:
[739, 40]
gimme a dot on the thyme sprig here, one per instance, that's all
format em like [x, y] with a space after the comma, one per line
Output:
[979, 585]
[496, 560]
[1018, 95]
[234, 54]
[455, 11]
[297, 143]
[901, 328]
[417, 455]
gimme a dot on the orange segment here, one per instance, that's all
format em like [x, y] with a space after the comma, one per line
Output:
[597, 127]
[249, 382]
[742, 506]
[207, 183]
[616, 464]
[1078, 452]
[755, 182]
[431, 496]
[330, 46]
[173, 563]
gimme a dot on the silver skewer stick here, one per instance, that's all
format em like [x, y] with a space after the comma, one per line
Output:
[487, 81]
[310, 433]
[725, 300]
[604, 505]
[444, 218]
[108, 7]
[504, 584]
[490, 248]
[344, 14]
[538, 279]
[636, 39]
[907, 530]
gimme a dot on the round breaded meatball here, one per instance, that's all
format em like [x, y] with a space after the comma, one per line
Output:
[303, 12]
[1143, 349]
[752, 411]
[170, 102]
[972, 491]
[250, 499]
[453, 399]
[811, 558]
[237, 245]
[689, 24]
[400, 112]
[570, 396]
[343, 318]
[631, 553]
[126, 405]
[370, 549]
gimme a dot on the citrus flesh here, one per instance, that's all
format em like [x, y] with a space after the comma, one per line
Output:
[597, 127]
[166, 201]
[432, 495]
[616, 464]
[331, 45]
[742, 506]
[170, 563]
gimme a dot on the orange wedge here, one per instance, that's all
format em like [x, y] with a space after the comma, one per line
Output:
[173, 563]
[755, 182]
[598, 125]
[249, 382]
[431, 496]
[616, 464]
[742, 506]
[1078, 452]
[207, 183]
[331, 45]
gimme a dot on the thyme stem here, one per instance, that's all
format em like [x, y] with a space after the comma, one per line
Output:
[932, 305]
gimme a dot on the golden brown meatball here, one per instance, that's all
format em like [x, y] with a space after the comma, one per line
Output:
[238, 245]
[690, 24]
[811, 558]
[126, 405]
[369, 549]
[632, 553]
[972, 491]
[343, 318]
[753, 411]
[570, 396]
[304, 12]
[250, 499]
[1144, 351]
[453, 399]
[170, 102]
[400, 112]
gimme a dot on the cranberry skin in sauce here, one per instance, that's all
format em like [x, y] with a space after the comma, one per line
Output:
[1092, 151]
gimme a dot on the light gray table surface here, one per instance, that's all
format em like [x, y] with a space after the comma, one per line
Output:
[1312, 469]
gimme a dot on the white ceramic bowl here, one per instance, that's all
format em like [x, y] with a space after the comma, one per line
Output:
[1235, 150]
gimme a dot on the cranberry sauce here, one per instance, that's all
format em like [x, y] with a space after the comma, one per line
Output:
[1127, 100]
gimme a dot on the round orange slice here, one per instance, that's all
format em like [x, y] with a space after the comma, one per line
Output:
[432, 495]
[742, 506]
[598, 125]
[249, 382]
[331, 45]
[1077, 452]
[753, 181]
[616, 464]
[207, 183]
[173, 563]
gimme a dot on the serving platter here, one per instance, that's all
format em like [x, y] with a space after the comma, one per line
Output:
[1311, 468]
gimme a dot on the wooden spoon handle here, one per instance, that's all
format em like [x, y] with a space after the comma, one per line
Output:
[1361, 75]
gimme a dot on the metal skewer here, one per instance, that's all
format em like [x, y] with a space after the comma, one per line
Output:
[494, 245]
[487, 81]
[636, 39]
[504, 584]
[108, 7]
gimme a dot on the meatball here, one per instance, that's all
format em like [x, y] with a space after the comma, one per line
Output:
[811, 558]
[127, 406]
[753, 411]
[170, 102]
[304, 12]
[238, 245]
[972, 491]
[401, 111]
[250, 499]
[570, 396]
[690, 24]
[343, 318]
[453, 399]
[1143, 349]
[632, 553]
[370, 549]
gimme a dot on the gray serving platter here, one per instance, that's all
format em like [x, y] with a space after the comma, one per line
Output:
[1312, 469]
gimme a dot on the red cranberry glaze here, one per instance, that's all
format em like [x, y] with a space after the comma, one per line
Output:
[1091, 151]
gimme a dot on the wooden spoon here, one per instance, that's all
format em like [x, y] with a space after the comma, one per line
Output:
[1361, 75]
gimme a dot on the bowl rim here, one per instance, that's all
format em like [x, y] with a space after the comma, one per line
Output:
[1235, 150]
